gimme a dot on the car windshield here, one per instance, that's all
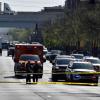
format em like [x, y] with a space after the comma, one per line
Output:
[94, 61]
[78, 56]
[29, 57]
[65, 56]
[63, 61]
[82, 66]
[55, 51]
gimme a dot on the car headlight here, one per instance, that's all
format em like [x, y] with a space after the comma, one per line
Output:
[56, 67]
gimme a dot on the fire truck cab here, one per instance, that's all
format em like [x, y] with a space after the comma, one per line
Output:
[27, 49]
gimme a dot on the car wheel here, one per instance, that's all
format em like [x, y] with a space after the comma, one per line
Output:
[71, 78]
[54, 78]
[95, 84]
[16, 74]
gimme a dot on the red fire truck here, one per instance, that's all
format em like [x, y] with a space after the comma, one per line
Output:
[25, 52]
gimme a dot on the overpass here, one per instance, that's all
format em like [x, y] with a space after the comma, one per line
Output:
[29, 19]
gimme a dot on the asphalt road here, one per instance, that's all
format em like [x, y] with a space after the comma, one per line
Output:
[12, 88]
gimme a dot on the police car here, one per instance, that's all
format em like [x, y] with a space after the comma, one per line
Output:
[81, 72]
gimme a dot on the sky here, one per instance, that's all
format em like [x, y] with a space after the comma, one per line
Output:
[32, 5]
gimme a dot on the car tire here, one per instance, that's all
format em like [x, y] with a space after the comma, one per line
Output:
[67, 80]
[16, 74]
[54, 78]
[71, 78]
[95, 84]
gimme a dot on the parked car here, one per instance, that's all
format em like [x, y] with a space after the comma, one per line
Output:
[5, 45]
[63, 56]
[59, 68]
[45, 50]
[78, 57]
[11, 51]
[56, 51]
[81, 72]
[95, 61]
[50, 57]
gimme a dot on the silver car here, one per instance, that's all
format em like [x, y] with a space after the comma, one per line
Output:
[78, 57]
[82, 72]
[95, 61]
